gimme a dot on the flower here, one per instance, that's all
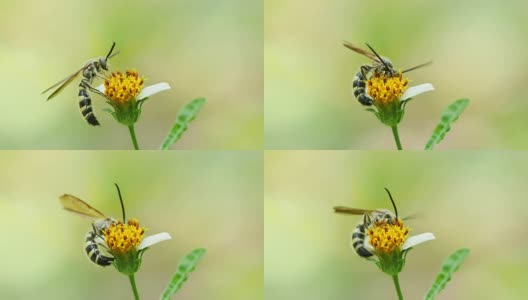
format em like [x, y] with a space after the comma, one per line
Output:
[126, 94]
[121, 88]
[127, 244]
[390, 94]
[389, 241]
[385, 90]
[385, 237]
[120, 238]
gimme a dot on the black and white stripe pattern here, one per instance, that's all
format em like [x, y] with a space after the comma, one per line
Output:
[359, 86]
[363, 75]
[358, 241]
[85, 102]
[359, 233]
[91, 246]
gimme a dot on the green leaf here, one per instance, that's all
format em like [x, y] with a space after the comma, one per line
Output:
[185, 116]
[404, 103]
[140, 103]
[374, 112]
[450, 265]
[186, 266]
[108, 110]
[449, 116]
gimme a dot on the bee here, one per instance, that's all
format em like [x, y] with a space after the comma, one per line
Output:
[93, 68]
[94, 245]
[370, 217]
[381, 66]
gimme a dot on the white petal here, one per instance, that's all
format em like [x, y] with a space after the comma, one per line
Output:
[417, 90]
[153, 239]
[100, 88]
[153, 89]
[417, 239]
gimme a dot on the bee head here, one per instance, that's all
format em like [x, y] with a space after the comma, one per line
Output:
[383, 66]
[103, 63]
[103, 60]
[386, 68]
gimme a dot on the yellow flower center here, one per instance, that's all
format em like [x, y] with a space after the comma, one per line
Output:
[121, 87]
[385, 90]
[386, 237]
[121, 237]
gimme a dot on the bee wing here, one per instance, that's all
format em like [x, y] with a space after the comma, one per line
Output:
[76, 205]
[63, 83]
[352, 211]
[361, 51]
[412, 216]
[114, 54]
[418, 66]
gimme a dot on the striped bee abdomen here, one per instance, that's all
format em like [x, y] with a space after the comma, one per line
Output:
[85, 104]
[358, 241]
[359, 87]
[93, 252]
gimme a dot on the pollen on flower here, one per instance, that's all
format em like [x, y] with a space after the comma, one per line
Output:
[385, 90]
[121, 87]
[386, 237]
[121, 238]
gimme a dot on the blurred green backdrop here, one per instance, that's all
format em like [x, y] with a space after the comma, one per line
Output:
[478, 51]
[205, 48]
[474, 200]
[203, 199]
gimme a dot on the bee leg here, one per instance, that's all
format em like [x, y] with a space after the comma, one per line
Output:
[98, 233]
[366, 220]
[364, 71]
[103, 245]
[101, 77]
[92, 89]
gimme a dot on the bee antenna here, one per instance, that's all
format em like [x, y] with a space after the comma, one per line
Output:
[418, 66]
[121, 200]
[379, 57]
[110, 52]
[393, 204]
[366, 219]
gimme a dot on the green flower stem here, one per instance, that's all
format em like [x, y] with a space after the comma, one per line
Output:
[133, 136]
[133, 284]
[396, 137]
[397, 285]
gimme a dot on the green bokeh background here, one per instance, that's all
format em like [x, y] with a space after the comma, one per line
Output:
[473, 200]
[204, 48]
[203, 199]
[478, 49]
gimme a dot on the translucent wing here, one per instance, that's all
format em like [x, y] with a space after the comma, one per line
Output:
[352, 211]
[418, 66]
[63, 83]
[361, 51]
[413, 216]
[76, 205]
[116, 53]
